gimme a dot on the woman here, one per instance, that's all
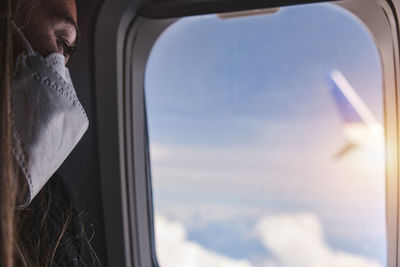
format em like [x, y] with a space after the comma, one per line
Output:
[41, 120]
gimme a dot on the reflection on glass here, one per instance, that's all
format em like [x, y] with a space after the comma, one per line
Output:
[267, 142]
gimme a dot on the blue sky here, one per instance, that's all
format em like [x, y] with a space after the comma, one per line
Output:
[242, 119]
[269, 54]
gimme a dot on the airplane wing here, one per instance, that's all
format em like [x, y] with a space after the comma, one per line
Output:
[345, 149]
[352, 109]
[351, 106]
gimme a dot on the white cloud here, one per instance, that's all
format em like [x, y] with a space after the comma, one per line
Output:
[298, 241]
[174, 250]
[294, 240]
[265, 179]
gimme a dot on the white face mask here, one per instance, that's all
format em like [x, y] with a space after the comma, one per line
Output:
[47, 118]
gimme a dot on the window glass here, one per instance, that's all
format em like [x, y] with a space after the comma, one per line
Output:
[266, 138]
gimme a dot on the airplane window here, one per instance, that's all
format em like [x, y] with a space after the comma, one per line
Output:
[267, 141]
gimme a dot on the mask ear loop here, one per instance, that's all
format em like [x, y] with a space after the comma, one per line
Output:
[31, 52]
[23, 39]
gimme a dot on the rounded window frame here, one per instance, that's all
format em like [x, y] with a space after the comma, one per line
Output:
[127, 202]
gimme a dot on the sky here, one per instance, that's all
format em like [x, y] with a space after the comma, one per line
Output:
[243, 131]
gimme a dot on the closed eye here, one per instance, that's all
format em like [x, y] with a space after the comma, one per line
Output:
[67, 49]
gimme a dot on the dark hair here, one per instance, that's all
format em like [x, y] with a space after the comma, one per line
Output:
[8, 178]
[52, 232]
[49, 232]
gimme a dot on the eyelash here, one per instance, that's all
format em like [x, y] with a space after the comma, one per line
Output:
[68, 50]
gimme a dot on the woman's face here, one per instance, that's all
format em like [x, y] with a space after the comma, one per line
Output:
[49, 25]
